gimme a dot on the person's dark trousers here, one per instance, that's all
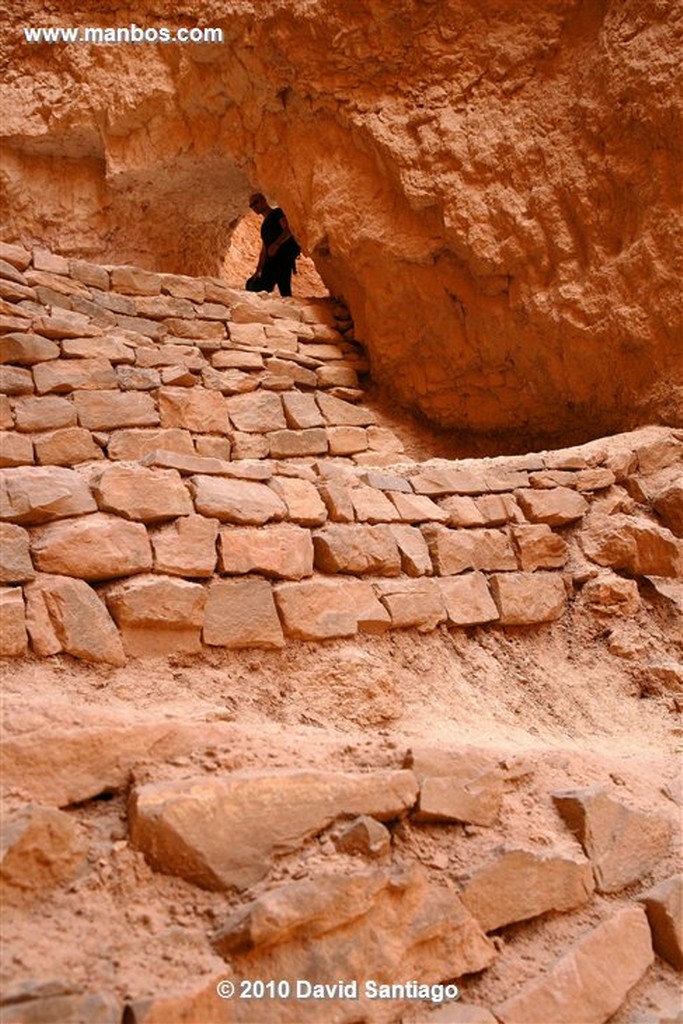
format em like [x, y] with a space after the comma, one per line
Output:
[277, 272]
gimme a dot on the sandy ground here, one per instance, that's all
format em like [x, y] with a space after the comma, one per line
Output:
[553, 702]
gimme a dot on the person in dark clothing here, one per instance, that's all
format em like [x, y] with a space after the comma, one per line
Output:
[279, 249]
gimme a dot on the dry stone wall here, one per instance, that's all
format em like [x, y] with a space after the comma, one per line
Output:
[188, 465]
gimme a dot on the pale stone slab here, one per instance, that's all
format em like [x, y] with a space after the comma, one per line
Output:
[13, 638]
[256, 413]
[36, 494]
[539, 548]
[96, 547]
[61, 376]
[623, 844]
[664, 908]
[301, 411]
[49, 413]
[474, 798]
[134, 281]
[519, 884]
[418, 508]
[252, 818]
[132, 378]
[110, 410]
[556, 507]
[147, 495]
[15, 560]
[236, 501]
[463, 511]
[413, 604]
[188, 356]
[467, 600]
[66, 447]
[129, 445]
[15, 449]
[412, 547]
[588, 984]
[186, 547]
[338, 413]
[304, 504]
[527, 598]
[65, 614]
[372, 506]
[359, 550]
[287, 444]
[42, 848]
[26, 349]
[322, 609]
[158, 615]
[242, 614]
[441, 481]
[347, 440]
[452, 551]
[202, 411]
[633, 544]
[108, 346]
[281, 552]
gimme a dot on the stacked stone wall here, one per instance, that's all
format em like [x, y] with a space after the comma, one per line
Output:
[186, 465]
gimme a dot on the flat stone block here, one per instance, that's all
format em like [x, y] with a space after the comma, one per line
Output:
[186, 547]
[32, 495]
[322, 609]
[280, 552]
[467, 600]
[110, 410]
[236, 501]
[158, 615]
[204, 412]
[524, 599]
[355, 549]
[242, 613]
[96, 547]
[66, 447]
[138, 493]
[61, 376]
[286, 444]
[13, 636]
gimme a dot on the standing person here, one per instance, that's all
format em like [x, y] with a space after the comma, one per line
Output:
[279, 249]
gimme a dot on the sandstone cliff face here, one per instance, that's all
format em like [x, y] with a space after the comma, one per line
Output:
[491, 186]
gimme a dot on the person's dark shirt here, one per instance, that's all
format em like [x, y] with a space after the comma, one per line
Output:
[271, 227]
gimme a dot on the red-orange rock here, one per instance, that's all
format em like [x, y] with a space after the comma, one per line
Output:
[257, 413]
[188, 408]
[526, 598]
[356, 549]
[96, 547]
[622, 843]
[236, 501]
[157, 615]
[186, 547]
[241, 613]
[591, 980]
[467, 600]
[281, 552]
[252, 817]
[321, 609]
[42, 848]
[65, 375]
[147, 495]
[108, 410]
[26, 349]
[66, 614]
[304, 504]
[470, 796]
[66, 447]
[612, 594]
[15, 560]
[413, 604]
[412, 547]
[129, 445]
[33, 495]
[13, 638]
[539, 548]
[15, 449]
[634, 545]
[287, 444]
[555, 507]
[664, 908]
[519, 884]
